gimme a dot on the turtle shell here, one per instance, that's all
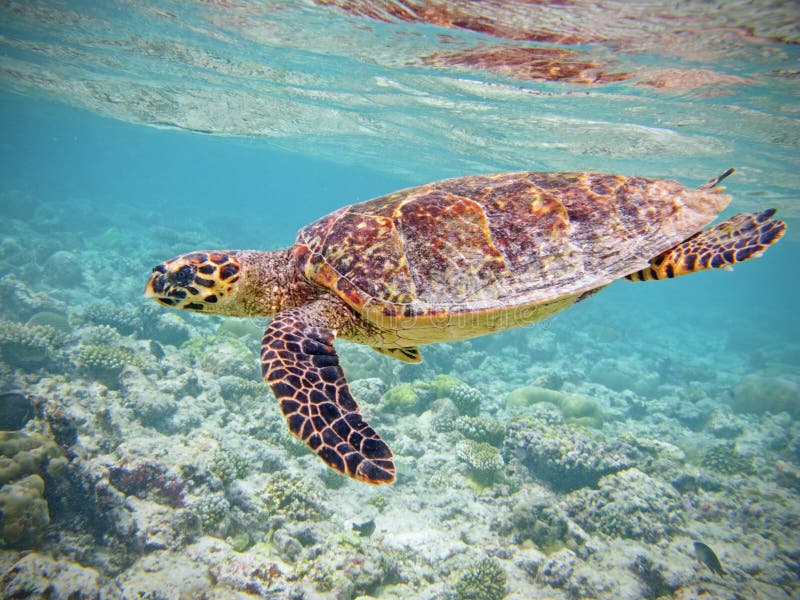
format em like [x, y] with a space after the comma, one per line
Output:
[497, 242]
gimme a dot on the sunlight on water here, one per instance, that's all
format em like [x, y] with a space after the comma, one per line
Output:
[579, 457]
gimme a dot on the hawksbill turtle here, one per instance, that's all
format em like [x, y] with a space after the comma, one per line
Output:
[447, 261]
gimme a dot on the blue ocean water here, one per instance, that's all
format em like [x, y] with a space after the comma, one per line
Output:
[600, 443]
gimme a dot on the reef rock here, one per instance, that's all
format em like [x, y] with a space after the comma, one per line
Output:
[766, 392]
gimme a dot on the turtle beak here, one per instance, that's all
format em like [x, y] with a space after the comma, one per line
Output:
[157, 282]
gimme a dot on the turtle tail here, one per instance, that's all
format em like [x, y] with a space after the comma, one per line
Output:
[735, 240]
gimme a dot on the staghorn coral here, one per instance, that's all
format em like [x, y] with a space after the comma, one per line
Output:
[564, 457]
[724, 458]
[481, 429]
[628, 504]
[485, 580]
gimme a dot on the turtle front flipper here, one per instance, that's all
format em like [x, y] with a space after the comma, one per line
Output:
[300, 364]
[735, 240]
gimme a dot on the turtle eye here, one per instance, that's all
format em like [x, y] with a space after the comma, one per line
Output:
[184, 276]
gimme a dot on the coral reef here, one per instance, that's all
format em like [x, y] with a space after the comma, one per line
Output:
[105, 363]
[724, 458]
[576, 408]
[481, 429]
[557, 570]
[228, 465]
[465, 398]
[628, 504]
[16, 409]
[25, 462]
[565, 458]
[538, 520]
[23, 454]
[401, 399]
[29, 344]
[484, 580]
[483, 459]
[23, 512]
[767, 392]
[147, 479]
[295, 498]
[123, 319]
[62, 269]
[214, 513]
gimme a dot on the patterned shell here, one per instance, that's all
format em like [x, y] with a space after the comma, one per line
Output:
[495, 242]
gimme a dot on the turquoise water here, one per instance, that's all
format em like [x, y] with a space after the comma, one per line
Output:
[579, 457]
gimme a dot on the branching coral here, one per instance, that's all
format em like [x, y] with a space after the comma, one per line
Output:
[213, 510]
[293, 498]
[122, 319]
[106, 362]
[725, 459]
[29, 343]
[485, 580]
[483, 459]
[465, 397]
[481, 429]
[228, 465]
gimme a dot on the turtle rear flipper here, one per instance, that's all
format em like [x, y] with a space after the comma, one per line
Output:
[735, 240]
[300, 364]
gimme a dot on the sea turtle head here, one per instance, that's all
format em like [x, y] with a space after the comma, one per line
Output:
[202, 281]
